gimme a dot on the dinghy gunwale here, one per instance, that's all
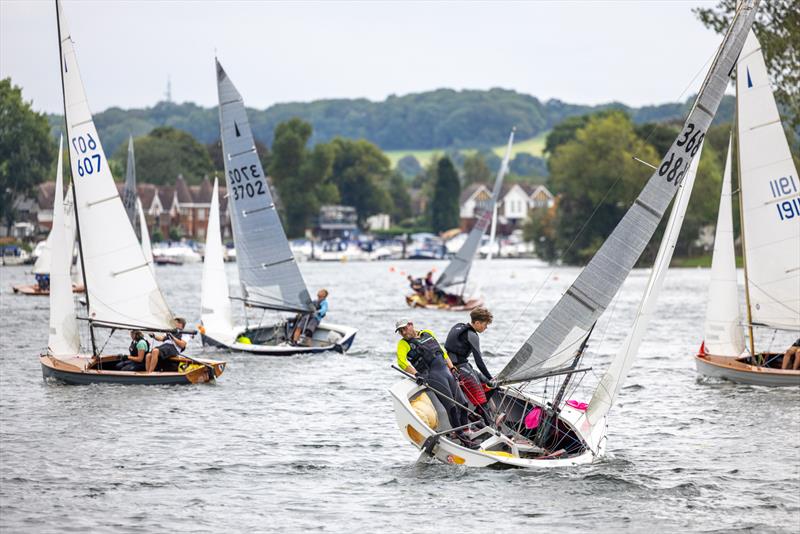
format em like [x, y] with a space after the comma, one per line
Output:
[74, 370]
[348, 336]
[733, 369]
[451, 452]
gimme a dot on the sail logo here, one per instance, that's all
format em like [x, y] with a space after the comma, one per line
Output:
[780, 188]
[749, 79]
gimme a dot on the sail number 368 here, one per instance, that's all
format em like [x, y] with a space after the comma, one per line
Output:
[88, 163]
[674, 167]
[248, 189]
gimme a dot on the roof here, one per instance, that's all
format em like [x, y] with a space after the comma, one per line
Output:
[165, 195]
[46, 195]
[470, 190]
[147, 193]
[182, 190]
[202, 193]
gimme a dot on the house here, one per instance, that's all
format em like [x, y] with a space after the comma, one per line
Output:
[337, 222]
[513, 209]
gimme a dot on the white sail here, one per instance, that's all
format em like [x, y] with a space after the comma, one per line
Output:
[145, 233]
[42, 264]
[492, 235]
[723, 327]
[615, 375]
[215, 300]
[457, 270]
[770, 195]
[121, 287]
[555, 340]
[268, 272]
[64, 338]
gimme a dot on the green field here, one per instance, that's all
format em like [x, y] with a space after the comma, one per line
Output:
[533, 146]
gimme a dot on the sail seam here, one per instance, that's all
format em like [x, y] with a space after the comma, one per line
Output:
[652, 211]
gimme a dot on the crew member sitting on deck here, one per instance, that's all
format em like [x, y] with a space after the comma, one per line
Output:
[137, 353]
[43, 281]
[305, 325]
[462, 341]
[416, 285]
[172, 346]
[420, 354]
[792, 352]
[430, 288]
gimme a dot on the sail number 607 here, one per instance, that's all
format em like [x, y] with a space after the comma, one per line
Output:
[90, 163]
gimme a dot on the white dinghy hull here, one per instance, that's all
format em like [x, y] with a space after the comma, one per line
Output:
[413, 428]
[327, 337]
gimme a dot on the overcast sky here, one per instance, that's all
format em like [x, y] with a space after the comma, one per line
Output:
[580, 52]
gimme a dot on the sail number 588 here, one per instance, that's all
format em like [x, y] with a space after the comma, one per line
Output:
[90, 163]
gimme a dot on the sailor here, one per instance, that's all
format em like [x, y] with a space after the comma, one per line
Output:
[172, 345]
[792, 352]
[307, 323]
[430, 287]
[137, 353]
[463, 340]
[416, 285]
[420, 354]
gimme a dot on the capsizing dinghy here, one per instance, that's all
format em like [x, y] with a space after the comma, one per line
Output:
[121, 290]
[451, 291]
[269, 276]
[536, 423]
[769, 212]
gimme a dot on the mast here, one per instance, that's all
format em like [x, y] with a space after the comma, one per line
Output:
[741, 227]
[62, 65]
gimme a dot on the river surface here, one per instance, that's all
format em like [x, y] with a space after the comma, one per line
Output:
[310, 443]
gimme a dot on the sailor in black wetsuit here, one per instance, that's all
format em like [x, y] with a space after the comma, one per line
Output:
[461, 342]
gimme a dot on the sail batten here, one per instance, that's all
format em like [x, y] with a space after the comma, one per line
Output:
[458, 269]
[265, 273]
[131, 296]
[569, 321]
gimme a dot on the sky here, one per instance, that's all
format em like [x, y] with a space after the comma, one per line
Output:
[583, 52]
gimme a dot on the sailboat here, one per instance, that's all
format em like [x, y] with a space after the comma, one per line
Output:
[769, 201]
[41, 268]
[122, 293]
[268, 273]
[449, 291]
[133, 205]
[537, 424]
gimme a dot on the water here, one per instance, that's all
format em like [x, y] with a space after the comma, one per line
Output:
[310, 443]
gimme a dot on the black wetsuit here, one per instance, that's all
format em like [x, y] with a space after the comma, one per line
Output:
[428, 359]
[463, 340]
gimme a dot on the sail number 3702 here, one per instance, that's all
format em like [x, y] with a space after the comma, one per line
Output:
[675, 166]
[249, 188]
[87, 163]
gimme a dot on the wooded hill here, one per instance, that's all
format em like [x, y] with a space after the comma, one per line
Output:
[442, 119]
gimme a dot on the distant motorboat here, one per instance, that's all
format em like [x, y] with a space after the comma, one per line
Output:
[175, 254]
[14, 255]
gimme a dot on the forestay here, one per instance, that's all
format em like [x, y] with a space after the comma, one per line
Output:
[558, 336]
[615, 375]
[63, 339]
[121, 289]
[770, 193]
[268, 273]
[723, 328]
[129, 194]
[215, 302]
[457, 270]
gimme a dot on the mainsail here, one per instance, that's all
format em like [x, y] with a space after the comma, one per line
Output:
[615, 375]
[121, 289]
[268, 273]
[215, 301]
[770, 196]
[457, 270]
[723, 328]
[554, 341]
[129, 194]
[64, 338]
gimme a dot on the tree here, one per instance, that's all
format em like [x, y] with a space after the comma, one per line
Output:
[165, 153]
[777, 27]
[525, 164]
[596, 177]
[541, 230]
[409, 166]
[300, 175]
[27, 151]
[476, 170]
[401, 200]
[361, 172]
[444, 208]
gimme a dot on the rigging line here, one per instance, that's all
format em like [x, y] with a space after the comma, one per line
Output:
[771, 297]
[560, 256]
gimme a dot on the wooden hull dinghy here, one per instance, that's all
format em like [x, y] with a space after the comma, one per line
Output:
[744, 370]
[418, 301]
[273, 340]
[574, 441]
[533, 390]
[81, 370]
[769, 213]
[269, 277]
[33, 290]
